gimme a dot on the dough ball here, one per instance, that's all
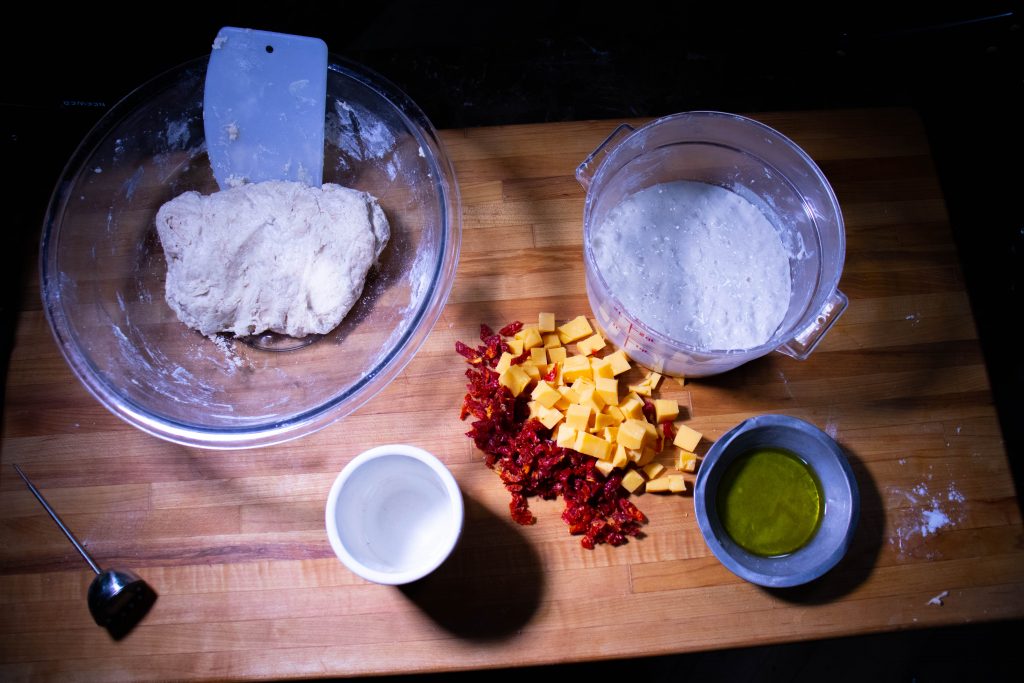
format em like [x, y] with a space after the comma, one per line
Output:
[274, 255]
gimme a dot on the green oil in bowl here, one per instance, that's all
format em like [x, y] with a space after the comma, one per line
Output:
[770, 502]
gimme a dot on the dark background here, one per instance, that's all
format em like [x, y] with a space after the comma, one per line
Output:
[476, 64]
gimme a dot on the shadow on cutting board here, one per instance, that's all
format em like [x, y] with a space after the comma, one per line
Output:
[862, 555]
[489, 587]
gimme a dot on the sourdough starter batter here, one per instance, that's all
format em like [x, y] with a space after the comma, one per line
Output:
[696, 262]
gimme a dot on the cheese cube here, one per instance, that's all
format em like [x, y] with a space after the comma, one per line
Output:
[653, 469]
[686, 461]
[601, 421]
[538, 356]
[632, 434]
[618, 361]
[556, 354]
[632, 407]
[608, 390]
[681, 381]
[549, 417]
[590, 345]
[533, 406]
[503, 363]
[614, 413]
[594, 446]
[676, 483]
[546, 322]
[575, 367]
[531, 370]
[531, 338]
[610, 434]
[660, 485]
[581, 383]
[515, 378]
[551, 341]
[569, 394]
[634, 454]
[621, 457]
[589, 397]
[652, 434]
[604, 467]
[652, 379]
[601, 367]
[647, 455]
[565, 437]
[575, 329]
[516, 345]
[686, 438]
[545, 394]
[578, 416]
[643, 389]
[666, 409]
[632, 481]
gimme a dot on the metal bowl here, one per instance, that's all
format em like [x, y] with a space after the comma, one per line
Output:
[839, 489]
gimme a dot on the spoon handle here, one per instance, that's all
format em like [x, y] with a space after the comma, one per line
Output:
[55, 518]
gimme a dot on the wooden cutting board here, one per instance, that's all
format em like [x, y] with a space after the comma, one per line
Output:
[234, 541]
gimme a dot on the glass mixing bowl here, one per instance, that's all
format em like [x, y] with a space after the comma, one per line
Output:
[757, 163]
[103, 270]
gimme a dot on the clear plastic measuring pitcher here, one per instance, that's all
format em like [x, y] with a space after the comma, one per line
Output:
[762, 166]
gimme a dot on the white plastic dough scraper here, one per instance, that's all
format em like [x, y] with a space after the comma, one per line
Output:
[263, 107]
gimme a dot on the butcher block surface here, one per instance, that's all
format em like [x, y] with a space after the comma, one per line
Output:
[234, 542]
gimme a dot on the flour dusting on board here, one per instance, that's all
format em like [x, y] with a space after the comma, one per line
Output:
[930, 512]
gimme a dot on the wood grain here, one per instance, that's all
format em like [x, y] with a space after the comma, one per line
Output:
[234, 541]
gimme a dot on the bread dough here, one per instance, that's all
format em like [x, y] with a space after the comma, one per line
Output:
[274, 255]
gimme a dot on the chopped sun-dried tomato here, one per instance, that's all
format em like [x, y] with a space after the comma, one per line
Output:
[529, 463]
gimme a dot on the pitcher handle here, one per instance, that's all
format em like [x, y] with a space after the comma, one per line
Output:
[585, 171]
[803, 344]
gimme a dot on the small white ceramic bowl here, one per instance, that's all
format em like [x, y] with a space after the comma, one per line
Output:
[394, 514]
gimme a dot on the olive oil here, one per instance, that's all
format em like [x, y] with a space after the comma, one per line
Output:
[770, 502]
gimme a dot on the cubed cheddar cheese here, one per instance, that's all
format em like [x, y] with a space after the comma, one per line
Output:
[594, 446]
[610, 434]
[516, 345]
[590, 345]
[621, 457]
[533, 406]
[647, 455]
[531, 338]
[608, 390]
[551, 341]
[545, 394]
[601, 368]
[577, 328]
[578, 416]
[632, 434]
[632, 481]
[686, 461]
[604, 467]
[549, 417]
[569, 394]
[532, 371]
[589, 397]
[504, 363]
[546, 322]
[538, 356]
[641, 389]
[575, 367]
[618, 362]
[556, 354]
[659, 485]
[615, 413]
[653, 469]
[681, 381]
[676, 483]
[565, 437]
[632, 407]
[515, 378]
[666, 409]
[601, 421]
[686, 438]
[652, 434]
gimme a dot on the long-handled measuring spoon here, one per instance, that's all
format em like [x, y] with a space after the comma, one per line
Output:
[118, 598]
